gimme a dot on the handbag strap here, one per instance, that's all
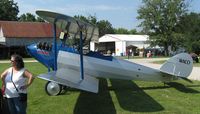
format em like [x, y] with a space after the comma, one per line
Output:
[12, 81]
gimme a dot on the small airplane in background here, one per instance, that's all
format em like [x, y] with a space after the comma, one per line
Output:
[71, 64]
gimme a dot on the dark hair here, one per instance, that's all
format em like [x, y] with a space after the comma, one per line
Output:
[19, 61]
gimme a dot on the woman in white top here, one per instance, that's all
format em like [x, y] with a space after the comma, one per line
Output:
[16, 80]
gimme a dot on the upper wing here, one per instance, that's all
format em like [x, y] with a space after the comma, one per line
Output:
[71, 25]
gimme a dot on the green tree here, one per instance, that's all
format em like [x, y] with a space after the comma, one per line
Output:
[105, 27]
[121, 31]
[90, 19]
[159, 18]
[28, 17]
[40, 19]
[82, 18]
[8, 10]
[133, 31]
[189, 26]
[125, 31]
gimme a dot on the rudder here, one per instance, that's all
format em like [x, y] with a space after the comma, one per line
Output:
[179, 65]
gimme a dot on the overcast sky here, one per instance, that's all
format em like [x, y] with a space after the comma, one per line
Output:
[120, 13]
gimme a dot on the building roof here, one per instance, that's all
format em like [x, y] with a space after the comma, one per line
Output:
[14, 29]
[120, 37]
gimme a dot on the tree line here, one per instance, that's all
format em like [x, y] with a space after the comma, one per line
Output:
[168, 23]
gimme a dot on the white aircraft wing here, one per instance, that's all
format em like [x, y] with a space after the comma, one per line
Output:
[71, 78]
[71, 25]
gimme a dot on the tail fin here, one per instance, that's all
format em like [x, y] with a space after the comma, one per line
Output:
[179, 65]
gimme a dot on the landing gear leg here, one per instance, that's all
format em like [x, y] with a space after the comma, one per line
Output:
[64, 89]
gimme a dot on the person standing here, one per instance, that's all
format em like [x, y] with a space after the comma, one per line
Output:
[16, 80]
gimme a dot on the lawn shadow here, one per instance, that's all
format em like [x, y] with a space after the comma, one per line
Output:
[182, 88]
[91, 103]
[193, 86]
[155, 87]
[133, 98]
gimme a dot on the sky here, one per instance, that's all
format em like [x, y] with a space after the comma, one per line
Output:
[120, 13]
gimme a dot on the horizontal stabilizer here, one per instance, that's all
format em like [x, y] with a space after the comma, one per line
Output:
[179, 65]
[72, 79]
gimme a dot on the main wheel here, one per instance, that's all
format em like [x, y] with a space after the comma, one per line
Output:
[53, 88]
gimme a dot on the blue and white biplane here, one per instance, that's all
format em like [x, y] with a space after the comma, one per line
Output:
[70, 63]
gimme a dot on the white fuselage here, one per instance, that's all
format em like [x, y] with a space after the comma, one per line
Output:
[115, 68]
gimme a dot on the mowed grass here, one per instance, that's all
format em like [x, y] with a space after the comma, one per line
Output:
[114, 97]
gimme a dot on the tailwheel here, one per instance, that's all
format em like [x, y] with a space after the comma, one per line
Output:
[53, 88]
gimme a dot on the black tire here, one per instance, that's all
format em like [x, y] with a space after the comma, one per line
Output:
[53, 88]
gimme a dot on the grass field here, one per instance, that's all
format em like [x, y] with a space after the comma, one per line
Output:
[115, 97]
[162, 61]
[137, 57]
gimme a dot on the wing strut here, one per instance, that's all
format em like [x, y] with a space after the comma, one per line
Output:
[81, 52]
[55, 45]
[81, 56]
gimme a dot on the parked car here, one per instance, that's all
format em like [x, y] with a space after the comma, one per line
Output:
[195, 57]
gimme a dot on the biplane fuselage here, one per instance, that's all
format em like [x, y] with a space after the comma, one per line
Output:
[97, 65]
